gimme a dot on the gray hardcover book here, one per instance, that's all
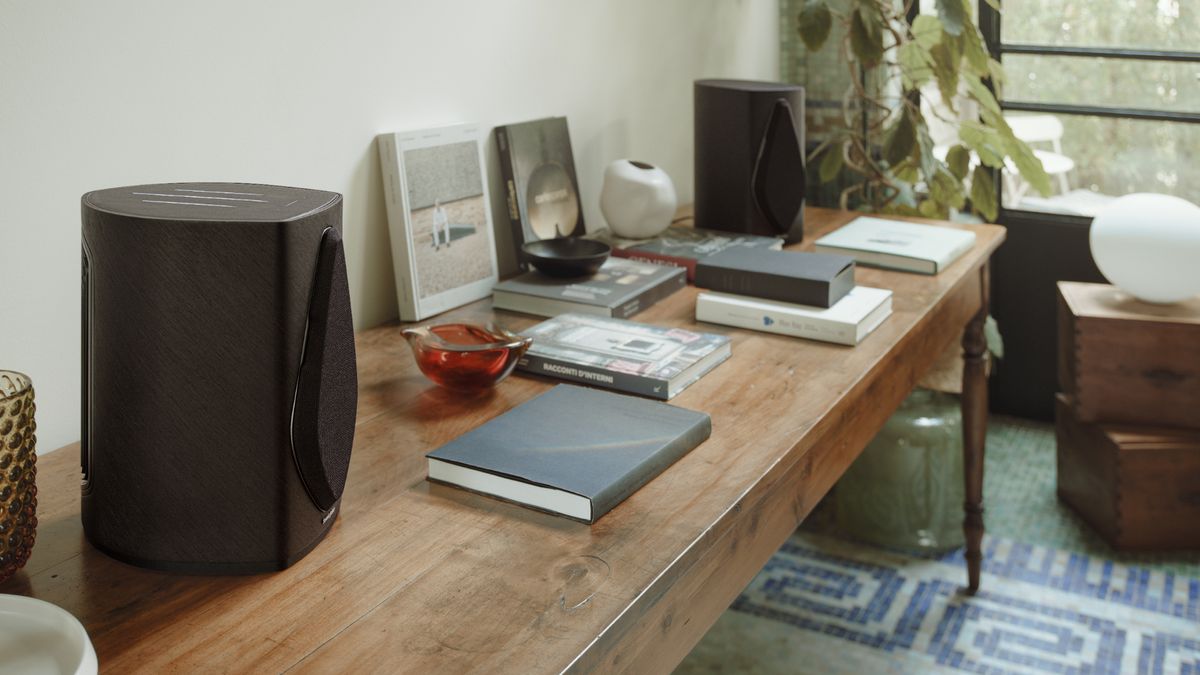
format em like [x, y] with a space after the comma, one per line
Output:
[626, 356]
[573, 451]
[815, 279]
[620, 289]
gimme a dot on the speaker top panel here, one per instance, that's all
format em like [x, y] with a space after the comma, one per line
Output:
[217, 202]
[751, 86]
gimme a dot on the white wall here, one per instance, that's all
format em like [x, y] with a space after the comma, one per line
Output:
[101, 94]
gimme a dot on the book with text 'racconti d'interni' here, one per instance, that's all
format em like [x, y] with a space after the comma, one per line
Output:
[627, 356]
[571, 451]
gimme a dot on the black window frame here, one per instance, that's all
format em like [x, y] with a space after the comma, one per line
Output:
[989, 25]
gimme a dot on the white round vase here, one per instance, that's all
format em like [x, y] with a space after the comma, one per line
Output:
[637, 200]
[1149, 246]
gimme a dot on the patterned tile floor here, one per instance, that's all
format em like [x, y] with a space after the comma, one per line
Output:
[1055, 598]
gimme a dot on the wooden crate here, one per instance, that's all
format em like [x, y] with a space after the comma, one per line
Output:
[1138, 486]
[1126, 361]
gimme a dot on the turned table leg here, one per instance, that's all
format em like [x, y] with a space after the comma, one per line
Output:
[974, 417]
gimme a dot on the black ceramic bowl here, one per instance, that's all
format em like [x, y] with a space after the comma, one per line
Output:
[567, 256]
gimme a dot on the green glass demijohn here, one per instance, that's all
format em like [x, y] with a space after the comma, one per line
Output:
[906, 489]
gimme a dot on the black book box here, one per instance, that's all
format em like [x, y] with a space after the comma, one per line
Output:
[749, 156]
[219, 381]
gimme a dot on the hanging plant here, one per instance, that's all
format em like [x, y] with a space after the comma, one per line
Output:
[885, 142]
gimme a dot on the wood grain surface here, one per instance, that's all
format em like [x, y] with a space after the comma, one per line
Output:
[422, 578]
[1125, 361]
[1138, 486]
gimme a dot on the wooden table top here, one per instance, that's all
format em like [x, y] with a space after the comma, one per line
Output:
[427, 578]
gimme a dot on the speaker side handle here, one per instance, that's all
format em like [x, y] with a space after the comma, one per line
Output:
[780, 121]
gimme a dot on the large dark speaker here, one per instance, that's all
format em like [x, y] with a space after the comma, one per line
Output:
[750, 157]
[219, 381]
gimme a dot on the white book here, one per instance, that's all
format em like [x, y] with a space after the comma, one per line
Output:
[439, 218]
[849, 320]
[898, 245]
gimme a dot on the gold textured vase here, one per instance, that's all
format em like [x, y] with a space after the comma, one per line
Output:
[18, 469]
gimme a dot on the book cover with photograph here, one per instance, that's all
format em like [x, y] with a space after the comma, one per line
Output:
[439, 218]
[541, 189]
[627, 356]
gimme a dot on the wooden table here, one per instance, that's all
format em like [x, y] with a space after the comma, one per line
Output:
[423, 578]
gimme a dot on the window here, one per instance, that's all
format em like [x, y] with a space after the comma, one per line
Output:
[1108, 91]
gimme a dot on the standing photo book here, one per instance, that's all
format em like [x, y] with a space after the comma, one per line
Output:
[620, 289]
[571, 451]
[683, 245]
[540, 185]
[625, 356]
[848, 322]
[898, 245]
[439, 218]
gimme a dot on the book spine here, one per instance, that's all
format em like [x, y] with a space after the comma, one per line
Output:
[389, 162]
[769, 321]
[688, 264]
[650, 296]
[614, 494]
[508, 173]
[762, 285]
[595, 376]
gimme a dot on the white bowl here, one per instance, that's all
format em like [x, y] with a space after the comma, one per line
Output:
[38, 638]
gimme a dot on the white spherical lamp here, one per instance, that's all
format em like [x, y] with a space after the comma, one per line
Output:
[637, 200]
[1149, 246]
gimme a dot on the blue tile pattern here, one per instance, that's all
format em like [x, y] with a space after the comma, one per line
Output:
[1041, 610]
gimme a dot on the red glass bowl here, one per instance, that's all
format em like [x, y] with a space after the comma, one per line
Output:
[465, 356]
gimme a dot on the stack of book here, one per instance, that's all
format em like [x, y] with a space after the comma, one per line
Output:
[813, 295]
[620, 289]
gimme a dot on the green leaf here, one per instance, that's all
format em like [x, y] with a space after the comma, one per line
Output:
[926, 31]
[996, 71]
[985, 141]
[973, 49]
[831, 162]
[952, 14]
[925, 157]
[815, 22]
[947, 190]
[909, 172]
[958, 160]
[979, 92]
[914, 65]
[983, 193]
[866, 37]
[991, 332]
[1028, 165]
[899, 141]
[945, 69]
[930, 209]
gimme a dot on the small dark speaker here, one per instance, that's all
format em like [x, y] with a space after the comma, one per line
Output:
[219, 378]
[750, 157]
